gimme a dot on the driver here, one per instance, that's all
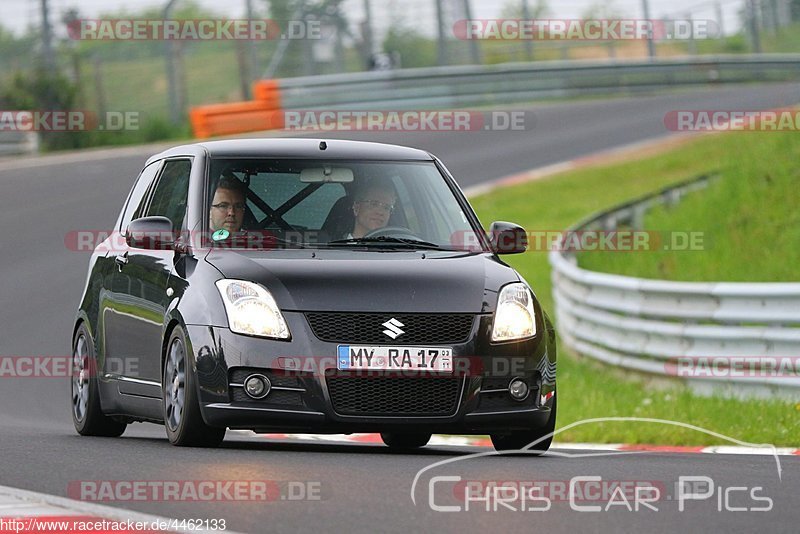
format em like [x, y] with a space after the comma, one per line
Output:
[372, 208]
[228, 205]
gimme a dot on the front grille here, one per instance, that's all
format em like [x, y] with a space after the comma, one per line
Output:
[419, 328]
[398, 395]
[286, 398]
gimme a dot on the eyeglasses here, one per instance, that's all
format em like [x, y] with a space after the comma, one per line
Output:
[375, 204]
[224, 206]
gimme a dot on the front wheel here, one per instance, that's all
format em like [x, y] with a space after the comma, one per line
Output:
[87, 416]
[514, 441]
[182, 417]
[405, 441]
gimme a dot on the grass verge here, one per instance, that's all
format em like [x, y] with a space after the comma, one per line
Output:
[588, 389]
[748, 221]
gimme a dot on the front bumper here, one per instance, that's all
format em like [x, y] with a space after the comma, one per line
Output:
[303, 401]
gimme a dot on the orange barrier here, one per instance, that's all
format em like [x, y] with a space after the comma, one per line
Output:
[263, 113]
[267, 91]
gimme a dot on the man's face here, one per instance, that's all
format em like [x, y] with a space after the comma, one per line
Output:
[227, 210]
[372, 211]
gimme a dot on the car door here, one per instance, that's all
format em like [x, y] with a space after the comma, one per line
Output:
[141, 279]
[115, 298]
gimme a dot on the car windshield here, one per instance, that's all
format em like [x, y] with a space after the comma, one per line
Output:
[277, 203]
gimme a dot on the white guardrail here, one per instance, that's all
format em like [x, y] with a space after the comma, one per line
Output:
[733, 338]
[13, 143]
[471, 85]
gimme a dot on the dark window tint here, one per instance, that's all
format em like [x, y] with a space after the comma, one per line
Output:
[169, 198]
[136, 201]
[276, 189]
[282, 200]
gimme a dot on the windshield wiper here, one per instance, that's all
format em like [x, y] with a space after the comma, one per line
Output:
[388, 240]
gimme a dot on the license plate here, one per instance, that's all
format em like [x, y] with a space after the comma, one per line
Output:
[359, 357]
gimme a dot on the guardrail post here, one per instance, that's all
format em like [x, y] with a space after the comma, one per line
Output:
[475, 52]
[15, 143]
[637, 220]
[651, 48]
[441, 49]
[526, 15]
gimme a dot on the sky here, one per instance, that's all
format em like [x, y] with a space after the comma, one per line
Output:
[18, 14]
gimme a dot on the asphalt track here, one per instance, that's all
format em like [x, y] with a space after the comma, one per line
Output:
[361, 488]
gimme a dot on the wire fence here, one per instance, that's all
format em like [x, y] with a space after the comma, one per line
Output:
[385, 35]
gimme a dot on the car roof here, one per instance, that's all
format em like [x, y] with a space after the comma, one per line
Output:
[296, 148]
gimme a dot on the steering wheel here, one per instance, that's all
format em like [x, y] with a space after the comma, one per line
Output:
[392, 231]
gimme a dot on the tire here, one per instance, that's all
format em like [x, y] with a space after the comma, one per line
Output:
[405, 441]
[515, 441]
[182, 418]
[87, 416]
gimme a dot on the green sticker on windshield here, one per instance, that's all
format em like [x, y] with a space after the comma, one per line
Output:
[221, 234]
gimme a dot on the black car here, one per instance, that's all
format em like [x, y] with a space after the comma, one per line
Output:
[311, 286]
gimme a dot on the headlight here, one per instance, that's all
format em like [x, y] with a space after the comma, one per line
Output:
[515, 318]
[252, 310]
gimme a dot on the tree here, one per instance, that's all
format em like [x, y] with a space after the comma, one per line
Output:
[297, 58]
[414, 49]
[43, 90]
[127, 50]
[536, 10]
[16, 52]
[601, 11]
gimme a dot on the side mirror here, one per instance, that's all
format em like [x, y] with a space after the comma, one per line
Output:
[508, 238]
[152, 233]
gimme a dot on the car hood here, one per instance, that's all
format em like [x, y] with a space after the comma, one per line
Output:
[371, 281]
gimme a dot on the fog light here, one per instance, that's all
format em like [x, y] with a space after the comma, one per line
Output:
[257, 386]
[518, 389]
